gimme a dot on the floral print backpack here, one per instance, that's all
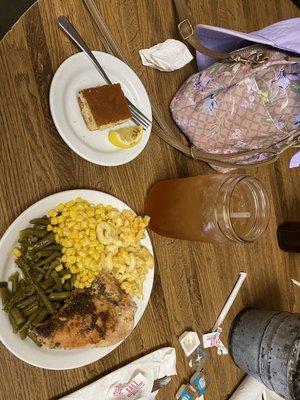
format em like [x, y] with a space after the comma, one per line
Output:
[241, 112]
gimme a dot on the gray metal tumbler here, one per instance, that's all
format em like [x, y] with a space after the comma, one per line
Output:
[266, 345]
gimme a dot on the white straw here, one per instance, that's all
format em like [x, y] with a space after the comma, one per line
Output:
[230, 300]
[295, 282]
[245, 214]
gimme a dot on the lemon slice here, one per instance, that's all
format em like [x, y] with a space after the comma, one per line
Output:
[125, 138]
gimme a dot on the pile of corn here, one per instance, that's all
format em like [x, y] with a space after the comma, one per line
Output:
[114, 246]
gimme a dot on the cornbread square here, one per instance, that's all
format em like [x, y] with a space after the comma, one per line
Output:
[103, 106]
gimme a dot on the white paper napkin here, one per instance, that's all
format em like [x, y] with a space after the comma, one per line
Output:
[133, 381]
[167, 56]
[252, 389]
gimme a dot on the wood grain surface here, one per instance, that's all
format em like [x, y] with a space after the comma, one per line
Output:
[192, 280]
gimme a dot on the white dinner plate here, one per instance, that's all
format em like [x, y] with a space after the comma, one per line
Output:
[77, 73]
[26, 350]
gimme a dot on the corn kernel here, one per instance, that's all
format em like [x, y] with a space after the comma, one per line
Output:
[49, 228]
[60, 207]
[93, 235]
[84, 242]
[83, 224]
[59, 267]
[52, 213]
[90, 213]
[17, 252]
[59, 231]
[54, 221]
[71, 260]
[60, 219]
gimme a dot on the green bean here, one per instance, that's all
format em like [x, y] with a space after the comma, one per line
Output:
[58, 285]
[17, 315]
[3, 284]
[46, 252]
[13, 324]
[47, 283]
[31, 309]
[14, 278]
[57, 305]
[24, 267]
[26, 302]
[24, 248]
[33, 337]
[40, 221]
[42, 253]
[23, 291]
[44, 298]
[24, 330]
[32, 240]
[39, 227]
[51, 267]
[67, 285]
[32, 232]
[54, 263]
[47, 260]
[40, 292]
[5, 295]
[72, 280]
[63, 272]
[59, 296]
[40, 270]
[49, 239]
[40, 317]
[20, 294]
[39, 278]
[23, 240]
[52, 247]
[23, 333]
[57, 288]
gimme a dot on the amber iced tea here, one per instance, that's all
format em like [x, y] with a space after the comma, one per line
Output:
[211, 208]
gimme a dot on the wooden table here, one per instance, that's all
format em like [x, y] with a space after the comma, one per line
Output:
[192, 280]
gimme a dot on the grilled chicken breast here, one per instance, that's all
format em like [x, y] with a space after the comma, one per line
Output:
[96, 317]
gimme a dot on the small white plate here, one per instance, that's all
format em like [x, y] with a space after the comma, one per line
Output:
[77, 73]
[26, 350]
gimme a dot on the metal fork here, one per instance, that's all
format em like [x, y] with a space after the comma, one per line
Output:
[136, 115]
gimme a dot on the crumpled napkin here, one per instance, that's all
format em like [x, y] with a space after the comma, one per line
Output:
[252, 389]
[134, 381]
[167, 56]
